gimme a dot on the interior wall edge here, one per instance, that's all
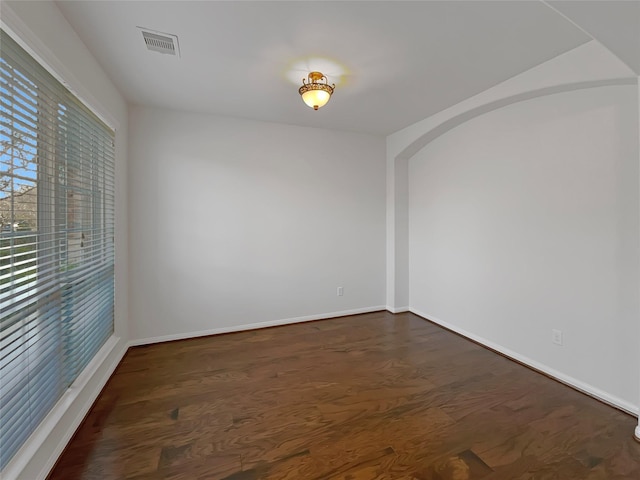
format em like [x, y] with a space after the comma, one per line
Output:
[637, 429]
[574, 383]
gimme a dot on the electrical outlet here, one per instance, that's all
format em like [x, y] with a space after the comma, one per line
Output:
[340, 291]
[556, 337]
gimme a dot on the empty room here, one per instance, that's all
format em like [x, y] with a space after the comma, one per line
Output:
[295, 240]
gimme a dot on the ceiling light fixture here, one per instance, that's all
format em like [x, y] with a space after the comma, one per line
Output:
[316, 93]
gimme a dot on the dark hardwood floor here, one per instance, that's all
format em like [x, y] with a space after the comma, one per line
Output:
[375, 396]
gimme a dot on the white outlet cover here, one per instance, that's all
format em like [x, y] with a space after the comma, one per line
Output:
[556, 337]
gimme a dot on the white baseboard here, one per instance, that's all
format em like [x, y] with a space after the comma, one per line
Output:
[397, 309]
[561, 377]
[253, 326]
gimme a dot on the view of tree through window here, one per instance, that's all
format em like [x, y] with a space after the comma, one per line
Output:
[18, 190]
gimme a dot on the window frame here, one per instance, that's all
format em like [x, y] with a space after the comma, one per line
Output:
[48, 190]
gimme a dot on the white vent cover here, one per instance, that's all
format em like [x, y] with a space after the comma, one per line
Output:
[161, 42]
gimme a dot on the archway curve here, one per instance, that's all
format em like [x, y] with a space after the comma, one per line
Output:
[422, 141]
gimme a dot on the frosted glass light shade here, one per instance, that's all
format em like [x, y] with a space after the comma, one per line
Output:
[316, 98]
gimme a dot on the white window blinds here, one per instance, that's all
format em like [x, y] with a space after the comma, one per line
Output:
[56, 242]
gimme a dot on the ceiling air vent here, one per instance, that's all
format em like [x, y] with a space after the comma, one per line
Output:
[161, 42]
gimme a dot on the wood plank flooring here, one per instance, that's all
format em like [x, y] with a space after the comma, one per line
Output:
[374, 396]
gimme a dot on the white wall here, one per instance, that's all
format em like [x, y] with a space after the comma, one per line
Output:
[43, 30]
[526, 219]
[237, 222]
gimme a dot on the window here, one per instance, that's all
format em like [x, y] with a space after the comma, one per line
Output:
[56, 242]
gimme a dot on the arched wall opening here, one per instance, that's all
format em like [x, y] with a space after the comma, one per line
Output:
[541, 233]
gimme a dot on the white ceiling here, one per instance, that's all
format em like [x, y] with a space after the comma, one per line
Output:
[394, 62]
[615, 24]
